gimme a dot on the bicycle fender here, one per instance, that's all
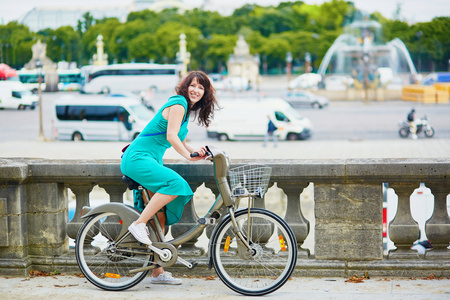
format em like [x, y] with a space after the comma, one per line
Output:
[213, 233]
[126, 212]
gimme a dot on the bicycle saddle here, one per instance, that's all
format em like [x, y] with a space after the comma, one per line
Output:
[132, 185]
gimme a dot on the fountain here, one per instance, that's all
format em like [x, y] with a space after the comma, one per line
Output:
[359, 60]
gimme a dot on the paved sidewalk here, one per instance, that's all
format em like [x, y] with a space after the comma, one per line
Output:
[73, 287]
[309, 149]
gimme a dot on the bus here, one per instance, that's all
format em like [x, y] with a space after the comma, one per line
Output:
[69, 80]
[129, 77]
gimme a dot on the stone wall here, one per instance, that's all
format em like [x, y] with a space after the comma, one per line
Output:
[348, 204]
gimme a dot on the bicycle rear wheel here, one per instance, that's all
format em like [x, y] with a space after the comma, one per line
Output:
[268, 265]
[104, 263]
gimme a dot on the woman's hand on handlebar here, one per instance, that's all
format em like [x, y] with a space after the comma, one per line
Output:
[198, 154]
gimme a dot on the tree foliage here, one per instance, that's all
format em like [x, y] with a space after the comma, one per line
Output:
[270, 31]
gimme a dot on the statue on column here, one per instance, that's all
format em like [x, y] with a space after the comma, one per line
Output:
[39, 53]
[183, 57]
[51, 77]
[100, 59]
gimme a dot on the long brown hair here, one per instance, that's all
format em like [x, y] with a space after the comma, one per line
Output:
[204, 109]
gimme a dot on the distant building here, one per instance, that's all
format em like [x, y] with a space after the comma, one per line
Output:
[242, 64]
[56, 16]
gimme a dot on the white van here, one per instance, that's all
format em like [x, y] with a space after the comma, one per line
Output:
[247, 118]
[99, 118]
[13, 94]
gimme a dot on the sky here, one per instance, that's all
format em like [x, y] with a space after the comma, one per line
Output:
[411, 10]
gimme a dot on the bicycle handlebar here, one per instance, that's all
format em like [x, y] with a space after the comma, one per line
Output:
[208, 153]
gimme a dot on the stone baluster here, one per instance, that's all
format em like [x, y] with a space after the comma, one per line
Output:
[115, 190]
[294, 216]
[437, 227]
[403, 229]
[81, 191]
[187, 222]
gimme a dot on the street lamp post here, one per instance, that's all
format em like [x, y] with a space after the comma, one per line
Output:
[419, 63]
[307, 62]
[41, 136]
[315, 37]
[289, 66]
[366, 57]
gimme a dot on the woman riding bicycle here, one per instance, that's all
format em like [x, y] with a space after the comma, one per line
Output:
[142, 161]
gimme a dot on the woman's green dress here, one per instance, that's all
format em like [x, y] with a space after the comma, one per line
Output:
[142, 161]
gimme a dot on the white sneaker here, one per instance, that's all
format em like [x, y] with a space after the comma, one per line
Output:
[140, 232]
[165, 278]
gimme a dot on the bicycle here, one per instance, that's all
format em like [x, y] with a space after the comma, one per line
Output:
[253, 251]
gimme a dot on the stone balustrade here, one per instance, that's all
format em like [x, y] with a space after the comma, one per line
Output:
[348, 212]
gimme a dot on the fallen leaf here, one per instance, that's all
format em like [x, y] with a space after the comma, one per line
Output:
[356, 279]
[210, 278]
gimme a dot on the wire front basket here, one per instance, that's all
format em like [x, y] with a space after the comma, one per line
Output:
[249, 180]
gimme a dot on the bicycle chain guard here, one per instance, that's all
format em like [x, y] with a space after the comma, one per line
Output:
[172, 257]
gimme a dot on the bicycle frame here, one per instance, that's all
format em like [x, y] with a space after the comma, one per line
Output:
[221, 163]
[129, 214]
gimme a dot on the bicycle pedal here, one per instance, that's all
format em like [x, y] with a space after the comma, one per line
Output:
[207, 221]
[193, 264]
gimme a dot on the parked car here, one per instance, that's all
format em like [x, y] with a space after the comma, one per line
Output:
[305, 98]
[305, 81]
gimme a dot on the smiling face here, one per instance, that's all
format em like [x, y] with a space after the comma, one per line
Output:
[195, 91]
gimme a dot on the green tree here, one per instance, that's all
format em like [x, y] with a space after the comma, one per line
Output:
[275, 50]
[220, 47]
[122, 35]
[104, 27]
[435, 43]
[144, 47]
[155, 35]
[16, 40]
[62, 44]
[168, 36]
[85, 23]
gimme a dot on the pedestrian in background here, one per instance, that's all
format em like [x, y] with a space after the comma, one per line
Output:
[271, 128]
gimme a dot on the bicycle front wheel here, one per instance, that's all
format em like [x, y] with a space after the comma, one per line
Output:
[102, 261]
[267, 265]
